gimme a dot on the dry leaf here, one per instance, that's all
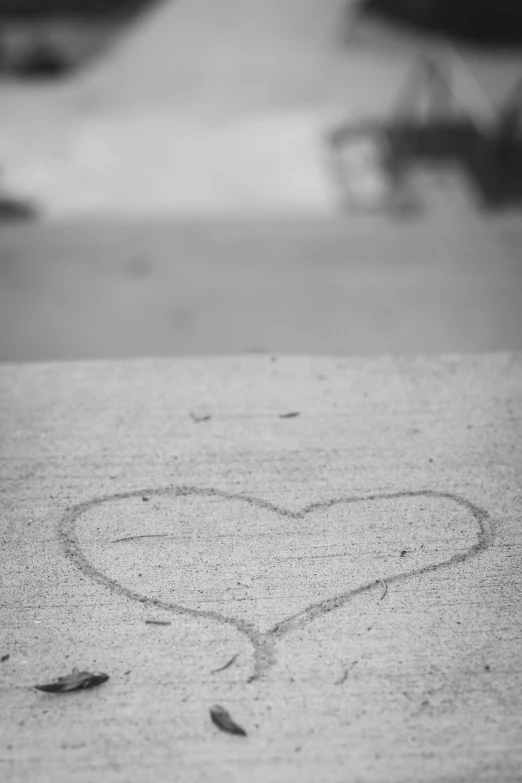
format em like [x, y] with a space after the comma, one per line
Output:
[75, 681]
[221, 717]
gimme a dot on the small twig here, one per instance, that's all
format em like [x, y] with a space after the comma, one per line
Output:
[384, 588]
[227, 664]
[157, 622]
[135, 538]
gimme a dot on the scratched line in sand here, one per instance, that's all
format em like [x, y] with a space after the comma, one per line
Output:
[263, 643]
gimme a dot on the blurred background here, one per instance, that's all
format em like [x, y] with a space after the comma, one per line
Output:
[281, 176]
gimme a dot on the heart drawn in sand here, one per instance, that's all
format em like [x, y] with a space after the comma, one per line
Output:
[261, 568]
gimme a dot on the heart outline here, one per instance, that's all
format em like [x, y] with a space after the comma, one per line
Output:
[264, 642]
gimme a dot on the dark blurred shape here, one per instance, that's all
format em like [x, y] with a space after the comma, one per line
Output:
[486, 22]
[16, 211]
[70, 8]
[489, 154]
[37, 59]
[48, 39]
[499, 175]
[491, 158]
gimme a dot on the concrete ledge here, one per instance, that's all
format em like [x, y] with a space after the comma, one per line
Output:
[348, 528]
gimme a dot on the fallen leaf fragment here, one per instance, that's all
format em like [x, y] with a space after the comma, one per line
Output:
[223, 720]
[75, 681]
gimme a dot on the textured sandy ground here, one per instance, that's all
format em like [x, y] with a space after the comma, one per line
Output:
[270, 536]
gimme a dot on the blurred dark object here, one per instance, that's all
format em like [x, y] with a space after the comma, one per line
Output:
[499, 174]
[489, 22]
[48, 39]
[16, 211]
[36, 59]
[446, 136]
[490, 154]
[70, 8]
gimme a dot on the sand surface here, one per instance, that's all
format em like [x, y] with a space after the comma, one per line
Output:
[262, 536]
